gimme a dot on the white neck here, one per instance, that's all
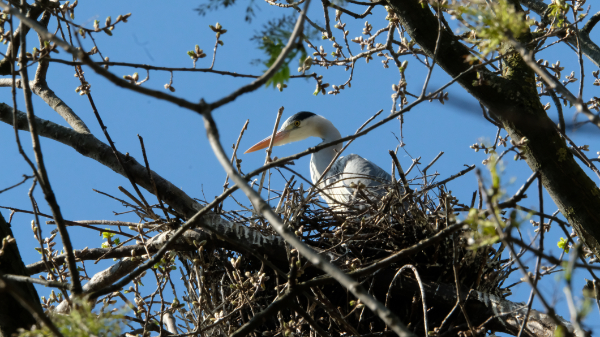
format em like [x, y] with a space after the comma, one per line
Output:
[321, 159]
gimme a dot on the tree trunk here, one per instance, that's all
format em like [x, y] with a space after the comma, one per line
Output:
[12, 315]
[513, 99]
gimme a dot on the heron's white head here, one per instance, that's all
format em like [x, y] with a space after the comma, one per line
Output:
[298, 127]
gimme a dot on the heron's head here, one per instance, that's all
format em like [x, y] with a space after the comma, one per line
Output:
[298, 127]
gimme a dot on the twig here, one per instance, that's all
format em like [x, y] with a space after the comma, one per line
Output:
[235, 148]
[579, 54]
[328, 33]
[169, 69]
[435, 50]
[559, 110]
[291, 44]
[554, 84]
[156, 192]
[400, 171]
[21, 278]
[452, 177]
[503, 237]
[309, 319]
[538, 262]
[429, 165]
[575, 316]
[459, 299]
[413, 164]
[580, 154]
[352, 14]
[270, 148]
[25, 178]
[425, 322]
[43, 174]
[512, 201]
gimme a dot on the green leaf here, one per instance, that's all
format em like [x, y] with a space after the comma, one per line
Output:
[563, 244]
[272, 39]
[106, 235]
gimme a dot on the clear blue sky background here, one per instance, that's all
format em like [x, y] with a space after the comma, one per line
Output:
[160, 34]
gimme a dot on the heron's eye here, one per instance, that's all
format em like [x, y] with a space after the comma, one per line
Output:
[297, 123]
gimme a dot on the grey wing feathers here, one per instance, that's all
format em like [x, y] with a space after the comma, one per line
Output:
[351, 171]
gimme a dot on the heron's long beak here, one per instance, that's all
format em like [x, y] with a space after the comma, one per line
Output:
[263, 144]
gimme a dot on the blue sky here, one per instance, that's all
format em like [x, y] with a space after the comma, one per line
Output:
[175, 141]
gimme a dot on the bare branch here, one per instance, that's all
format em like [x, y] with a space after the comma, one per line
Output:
[43, 174]
[588, 47]
[41, 89]
[291, 44]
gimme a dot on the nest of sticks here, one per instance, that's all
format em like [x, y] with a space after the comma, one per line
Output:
[375, 244]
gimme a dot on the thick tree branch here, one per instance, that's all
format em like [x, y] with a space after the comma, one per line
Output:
[12, 314]
[514, 100]
[41, 89]
[587, 28]
[34, 309]
[183, 244]
[91, 147]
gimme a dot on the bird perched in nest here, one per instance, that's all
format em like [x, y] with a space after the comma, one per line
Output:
[349, 180]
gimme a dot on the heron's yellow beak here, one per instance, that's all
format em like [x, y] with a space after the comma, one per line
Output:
[263, 144]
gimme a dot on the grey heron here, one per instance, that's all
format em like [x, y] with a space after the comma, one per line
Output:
[339, 185]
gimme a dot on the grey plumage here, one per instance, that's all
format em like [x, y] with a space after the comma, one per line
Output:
[350, 173]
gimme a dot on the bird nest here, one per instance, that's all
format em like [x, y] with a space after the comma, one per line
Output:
[414, 227]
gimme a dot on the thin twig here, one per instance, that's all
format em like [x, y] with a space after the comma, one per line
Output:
[43, 174]
[53, 284]
[270, 148]
[504, 237]
[291, 44]
[425, 321]
[554, 84]
[235, 148]
[25, 178]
